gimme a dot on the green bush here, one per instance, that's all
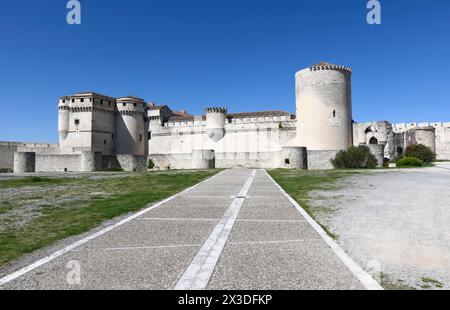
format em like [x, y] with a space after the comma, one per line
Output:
[151, 164]
[408, 162]
[421, 152]
[355, 158]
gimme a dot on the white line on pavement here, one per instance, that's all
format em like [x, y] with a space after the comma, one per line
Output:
[270, 221]
[266, 242]
[368, 282]
[176, 219]
[199, 272]
[81, 242]
[155, 247]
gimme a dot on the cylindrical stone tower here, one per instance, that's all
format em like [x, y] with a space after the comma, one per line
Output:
[130, 126]
[63, 117]
[324, 107]
[215, 123]
[24, 162]
[294, 158]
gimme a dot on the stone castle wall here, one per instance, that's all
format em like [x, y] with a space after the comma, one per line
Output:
[320, 160]
[7, 150]
[442, 142]
[252, 135]
[58, 163]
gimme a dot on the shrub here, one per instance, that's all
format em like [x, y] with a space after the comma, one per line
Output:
[151, 164]
[408, 162]
[421, 152]
[6, 170]
[355, 158]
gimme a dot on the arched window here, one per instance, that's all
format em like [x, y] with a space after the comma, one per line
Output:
[373, 140]
[334, 113]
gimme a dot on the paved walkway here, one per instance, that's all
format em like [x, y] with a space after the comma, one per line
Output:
[237, 230]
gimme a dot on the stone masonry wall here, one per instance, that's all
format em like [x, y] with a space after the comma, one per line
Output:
[320, 160]
[7, 150]
[58, 163]
[125, 162]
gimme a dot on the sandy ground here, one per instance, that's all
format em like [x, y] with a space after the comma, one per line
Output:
[394, 221]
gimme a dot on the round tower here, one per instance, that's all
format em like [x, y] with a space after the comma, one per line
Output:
[324, 107]
[130, 126]
[215, 123]
[63, 118]
[24, 162]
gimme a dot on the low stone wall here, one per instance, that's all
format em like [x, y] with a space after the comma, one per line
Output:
[183, 161]
[320, 160]
[294, 158]
[124, 162]
[7, 156]
[254, 160]
[58, 163]
[220, 161]
[24, 162]
[7, 150]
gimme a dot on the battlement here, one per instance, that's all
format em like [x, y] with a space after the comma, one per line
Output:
[217, 110]
[400, 127]
[328, 66]
[131, 105]
[200, 121]
[27, 144]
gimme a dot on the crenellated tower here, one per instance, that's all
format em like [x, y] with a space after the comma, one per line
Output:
[215, 123]
[63, 117]
[131, 126]
[324, 107]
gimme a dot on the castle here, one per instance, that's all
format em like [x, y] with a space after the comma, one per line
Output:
[98, 132]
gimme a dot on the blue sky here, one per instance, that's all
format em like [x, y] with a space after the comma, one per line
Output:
[243, 54]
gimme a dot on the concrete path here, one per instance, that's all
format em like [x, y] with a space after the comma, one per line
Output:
[237, 230]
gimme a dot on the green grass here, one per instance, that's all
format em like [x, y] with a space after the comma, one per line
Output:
[398, 285]
[298, 184]
[5, 206]
[429, 283]
[124, 195]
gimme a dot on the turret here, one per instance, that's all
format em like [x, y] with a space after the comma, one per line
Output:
[131, 123]
[215, 123]
[63, 117]
[324, 107]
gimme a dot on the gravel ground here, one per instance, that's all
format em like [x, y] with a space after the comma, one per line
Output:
[394, 221]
